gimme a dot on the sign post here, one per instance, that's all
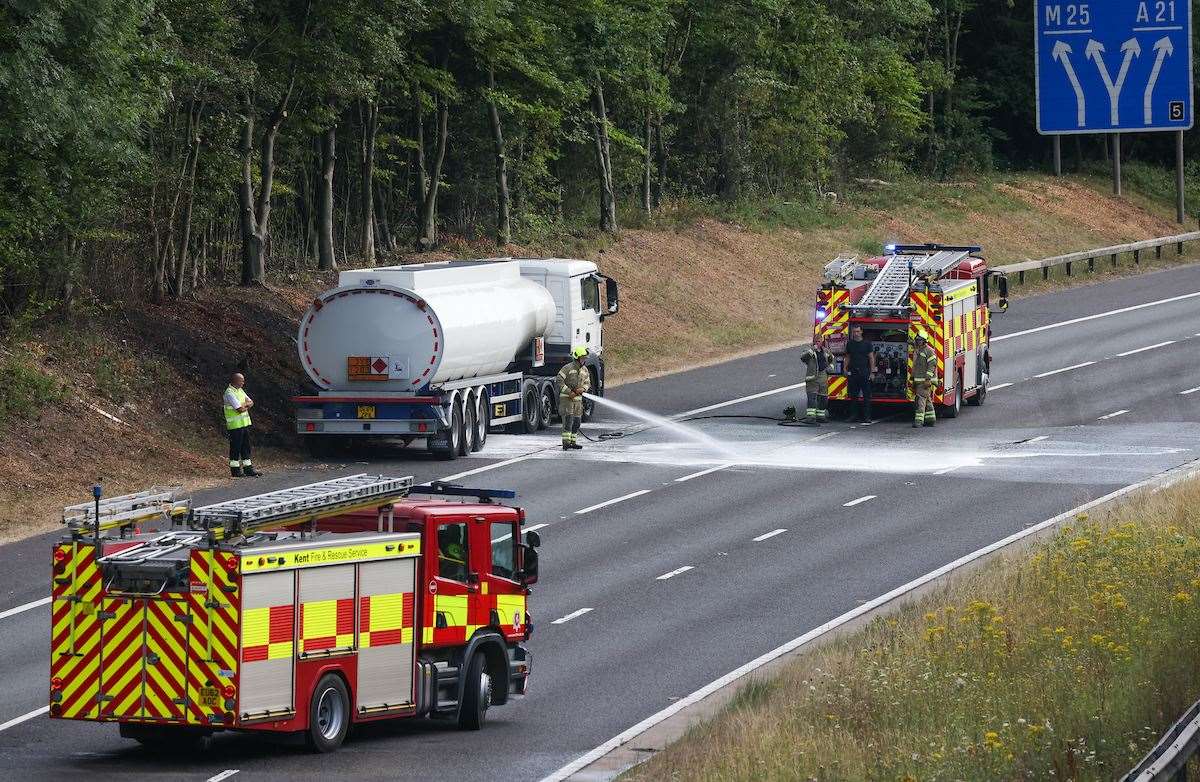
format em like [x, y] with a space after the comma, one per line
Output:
[1113, 66]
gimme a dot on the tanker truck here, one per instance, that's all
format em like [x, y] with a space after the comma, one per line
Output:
[444, 353]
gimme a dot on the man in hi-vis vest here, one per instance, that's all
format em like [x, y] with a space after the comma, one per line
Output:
[237, 422]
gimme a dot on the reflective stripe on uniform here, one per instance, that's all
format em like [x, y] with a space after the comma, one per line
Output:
[234, 419]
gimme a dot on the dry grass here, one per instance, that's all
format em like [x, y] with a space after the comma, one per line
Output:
[1064, 662]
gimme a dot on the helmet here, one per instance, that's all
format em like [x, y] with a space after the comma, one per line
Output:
[579, 352]
[921, 336]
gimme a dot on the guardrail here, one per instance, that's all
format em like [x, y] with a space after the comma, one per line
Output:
[1090, 256]
[1167, 762]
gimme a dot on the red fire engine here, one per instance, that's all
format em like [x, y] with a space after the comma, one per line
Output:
[946, 292]
[298, 611]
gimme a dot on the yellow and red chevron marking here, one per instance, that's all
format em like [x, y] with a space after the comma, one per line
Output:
[839, 387]
[121, 656]
[75, 631]
[927, 307]
[267, 633]
[830, 300]
[327, 624]
[166, 660]
[214, 602]
[385, 619]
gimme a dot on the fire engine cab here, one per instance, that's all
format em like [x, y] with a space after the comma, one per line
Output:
[946, 292]
[303, 610]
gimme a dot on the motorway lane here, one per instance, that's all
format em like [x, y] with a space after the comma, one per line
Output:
[648, 640]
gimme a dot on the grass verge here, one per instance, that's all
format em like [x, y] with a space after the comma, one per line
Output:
[1066, 661]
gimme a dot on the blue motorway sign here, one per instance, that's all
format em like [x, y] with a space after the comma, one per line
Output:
[1113, 65]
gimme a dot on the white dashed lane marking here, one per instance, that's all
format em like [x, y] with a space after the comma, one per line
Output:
[770, 534]
[1066, 369]
[613, 501]
[1148, 347]
[674, 572]
[709, 471]
[1183, 393]
[859, 501]
[570, 616]
[1112, 415]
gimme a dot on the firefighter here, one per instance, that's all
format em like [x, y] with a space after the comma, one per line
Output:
[924, 373]
[817, 360]
[237, 423]
[573, 382]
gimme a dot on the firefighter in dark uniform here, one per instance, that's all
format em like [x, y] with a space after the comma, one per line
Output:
[817, 361]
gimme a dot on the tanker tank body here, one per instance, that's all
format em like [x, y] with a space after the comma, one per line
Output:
[444, 352]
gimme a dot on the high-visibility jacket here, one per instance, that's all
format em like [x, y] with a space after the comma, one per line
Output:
[816, 363]
[234, 419]
[924, 367]
[573, 377]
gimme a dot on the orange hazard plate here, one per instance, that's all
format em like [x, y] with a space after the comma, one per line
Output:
[366, 411]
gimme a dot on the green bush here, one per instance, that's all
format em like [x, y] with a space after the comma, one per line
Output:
[25, 390]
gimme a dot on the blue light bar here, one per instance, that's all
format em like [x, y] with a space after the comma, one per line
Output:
[442, 489]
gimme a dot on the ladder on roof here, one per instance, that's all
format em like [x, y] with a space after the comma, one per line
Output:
[127, 510]
[890, 285]
[299, 504]
[841, 267]
[156, 548]
[938, 263]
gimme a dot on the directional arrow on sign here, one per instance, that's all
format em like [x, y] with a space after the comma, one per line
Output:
[1095, 53]
[1165, 49]
[1061, 52]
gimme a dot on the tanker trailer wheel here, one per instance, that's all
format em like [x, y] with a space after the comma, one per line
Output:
[453, 437]
[531, 408]
[549, 406]
[483, 420]
[469, 417]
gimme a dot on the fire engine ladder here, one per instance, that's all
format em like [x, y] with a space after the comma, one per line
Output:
[301, 504]
[890, 286]
[938, 263]
[841, 268]
[156, 548]
[127, 510]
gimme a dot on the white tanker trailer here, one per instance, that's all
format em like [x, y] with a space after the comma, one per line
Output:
[446, 352]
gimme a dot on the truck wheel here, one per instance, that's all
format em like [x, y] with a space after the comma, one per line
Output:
[477, 694]
[483, 421]
[449, 451]
[328, 714]
[467, 441]
[980, 395]
[951, 410]
[531, 408]
[549, 408]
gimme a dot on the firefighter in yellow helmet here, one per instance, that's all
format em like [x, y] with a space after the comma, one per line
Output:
[924, 375]
[574, 381]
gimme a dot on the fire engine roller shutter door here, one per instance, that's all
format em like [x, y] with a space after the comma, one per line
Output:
[385, 632]
[268, 642]
[326, 609]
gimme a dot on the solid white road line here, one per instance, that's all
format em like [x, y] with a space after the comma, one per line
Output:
[1190, 391]
[1112, 415]
[945, 470]
[23, 718]
[737, 401]
[526, 529]
[585, 760]
[770, 534]
[859, 501]
[674, 572]
[1066, 369]
[1086, 318]
[226, 774]
[1148, 347]
[22, 608]
[613, 501]
[1037, 439]
[709, 471]
[999, 386]
[570, 616]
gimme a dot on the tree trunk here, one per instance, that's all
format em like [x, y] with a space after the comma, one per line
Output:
[429, 212]
[422, 182]
[325, 258]
[251, 241]
[608, 201]
[185, 238]
[646, 177]
[503, 225]
[381, 219]
[256, 218]
[370, 122]
[661, 154]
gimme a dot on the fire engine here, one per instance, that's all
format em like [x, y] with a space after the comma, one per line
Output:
[303, 610]
[944, 291]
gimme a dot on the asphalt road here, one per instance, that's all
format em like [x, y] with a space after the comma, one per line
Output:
[669, 563]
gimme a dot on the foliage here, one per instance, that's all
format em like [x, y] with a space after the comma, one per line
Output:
[1067, 664]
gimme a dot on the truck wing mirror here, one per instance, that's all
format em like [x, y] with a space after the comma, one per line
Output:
[532, 539]
[528, 574]
[611, 296]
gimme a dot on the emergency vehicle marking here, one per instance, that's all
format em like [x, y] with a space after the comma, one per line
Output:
[385, 620]
[364, 552]
[214, 602]
[834, 323]
[164, 660]
[327, 624]
[75, 632]
[267, 633]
